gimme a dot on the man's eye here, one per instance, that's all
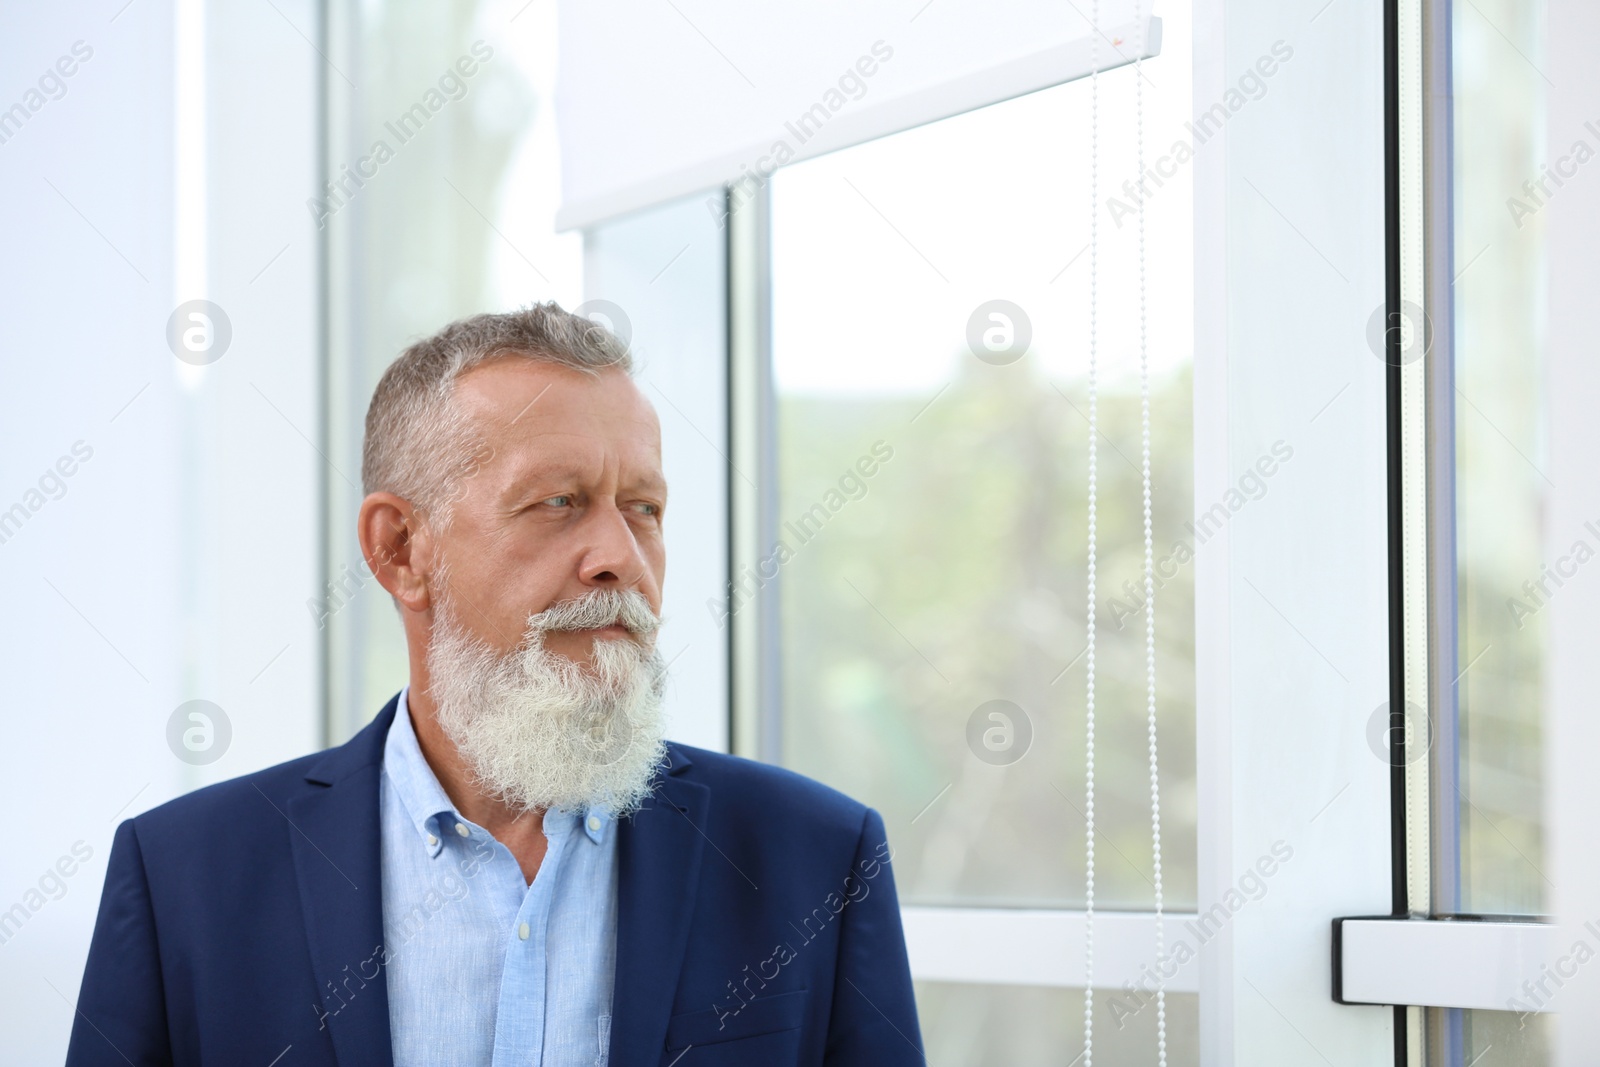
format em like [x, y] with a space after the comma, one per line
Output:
[650, 509]
[559, 501]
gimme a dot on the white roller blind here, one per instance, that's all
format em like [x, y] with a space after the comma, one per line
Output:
[661, 98]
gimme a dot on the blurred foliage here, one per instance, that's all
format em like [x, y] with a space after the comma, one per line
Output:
[959, 578]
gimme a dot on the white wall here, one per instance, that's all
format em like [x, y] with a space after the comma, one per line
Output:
[176, 562]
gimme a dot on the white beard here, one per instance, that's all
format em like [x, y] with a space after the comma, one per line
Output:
[539, 730]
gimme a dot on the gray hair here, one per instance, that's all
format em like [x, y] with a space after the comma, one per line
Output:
[418, 442]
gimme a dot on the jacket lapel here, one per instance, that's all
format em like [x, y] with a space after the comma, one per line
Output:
[336, 843]
[658, 873]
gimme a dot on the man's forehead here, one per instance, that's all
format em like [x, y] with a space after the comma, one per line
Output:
[547, 419]
[519, 393]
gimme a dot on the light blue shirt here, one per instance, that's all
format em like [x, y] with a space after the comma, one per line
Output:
[485, 970]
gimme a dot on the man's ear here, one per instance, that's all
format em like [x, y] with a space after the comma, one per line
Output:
[397, 547]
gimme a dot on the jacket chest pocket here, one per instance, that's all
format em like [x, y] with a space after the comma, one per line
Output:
[766, 1030]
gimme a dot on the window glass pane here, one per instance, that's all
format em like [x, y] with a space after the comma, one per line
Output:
[1500, 449]
[1035, 1026]
[933, 490]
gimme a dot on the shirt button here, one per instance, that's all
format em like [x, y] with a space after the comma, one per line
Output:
[522, 931]
[461, 828]
[432, 840]
[594, 823]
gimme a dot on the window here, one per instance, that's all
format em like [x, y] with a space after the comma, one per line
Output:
[923, 628]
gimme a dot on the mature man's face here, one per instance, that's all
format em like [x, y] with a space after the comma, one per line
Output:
[567, 497]
[545, 590]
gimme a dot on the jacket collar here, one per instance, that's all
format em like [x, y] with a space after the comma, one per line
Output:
[365, 749]
[336, 847]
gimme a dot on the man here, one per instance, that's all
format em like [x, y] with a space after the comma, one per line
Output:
[508, 865]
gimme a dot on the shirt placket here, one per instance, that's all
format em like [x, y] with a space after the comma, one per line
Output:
[520, 1015]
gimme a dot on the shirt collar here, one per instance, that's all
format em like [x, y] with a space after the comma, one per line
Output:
[428, 805]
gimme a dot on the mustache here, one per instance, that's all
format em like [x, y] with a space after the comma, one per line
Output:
[627, 608]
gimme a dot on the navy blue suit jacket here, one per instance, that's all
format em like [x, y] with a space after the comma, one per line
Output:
[757, 923]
